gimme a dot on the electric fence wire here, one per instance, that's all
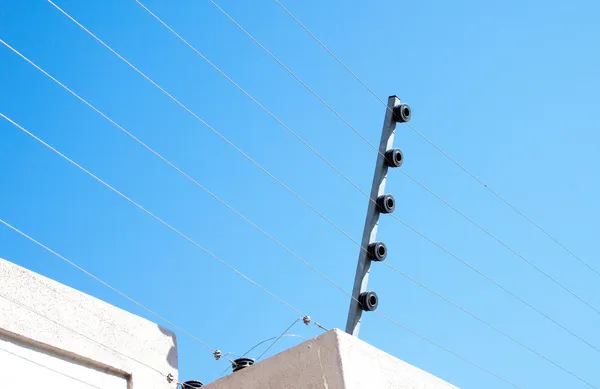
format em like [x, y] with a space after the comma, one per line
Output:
[416, 181]
[315, 210]
[47, 368]
[285, 334]
[12, 301]
[439, 149]
[208, 252]
[15, 229]
[277, 339]
[448, 350]
[479, 319]
[103, 43]
[497, 284]
[82, 27]
[265, 341]
[180, 171]
[395, 217]
[258, 344]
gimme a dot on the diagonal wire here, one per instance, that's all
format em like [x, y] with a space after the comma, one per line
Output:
[278, 181]
[277, 339]
[304, 142]
[190, 178]
[285, 334]
[487, 324]
[250, 159]
[90, 274]
[111, 50]
[318, 97]
[408, 175]
[173, 325]
[445, 349]
[124, 295]
[80, 334]
[496, 283]
[196, 244]
[281, 123]
[210, 253]
[439, 149]
[502, 243]
[261, 230]
[287, 69]
[258, 344]
[329, 51]
[49, 369]
[186, 174]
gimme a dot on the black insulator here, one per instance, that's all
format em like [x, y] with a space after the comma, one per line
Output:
[386, 203]
[377, 251]
[394, 158]
[242, 363]
[192, 385]
[368, 301]
[402, 113]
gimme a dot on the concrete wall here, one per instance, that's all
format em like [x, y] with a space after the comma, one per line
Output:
[333, 360]
[22, 361]
[52, 333]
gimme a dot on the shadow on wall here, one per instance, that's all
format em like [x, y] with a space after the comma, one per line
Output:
[172, 356]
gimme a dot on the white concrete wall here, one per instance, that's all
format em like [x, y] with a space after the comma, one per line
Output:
[54, 333]
[365, 366]
[333, 360]
[22, 361]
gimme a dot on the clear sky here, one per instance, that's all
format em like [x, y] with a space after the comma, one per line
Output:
[507, 88]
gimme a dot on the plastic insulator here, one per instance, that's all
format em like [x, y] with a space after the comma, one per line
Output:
[377, 251]
[386, 203]
[242, 363]
[402, 113]
[192, 385]
[394, 158]
[368, 301]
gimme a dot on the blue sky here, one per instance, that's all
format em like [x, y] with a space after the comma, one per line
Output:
[509, 90]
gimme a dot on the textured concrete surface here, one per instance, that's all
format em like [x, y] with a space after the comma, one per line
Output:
[334, 360]
[60, 321]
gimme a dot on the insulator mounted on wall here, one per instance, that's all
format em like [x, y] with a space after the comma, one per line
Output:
[402, 113]
[368, 301]
[242, 363]
[306, 320]
[386, 203]
[192, 385]
[394, 158]
[377, 251]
